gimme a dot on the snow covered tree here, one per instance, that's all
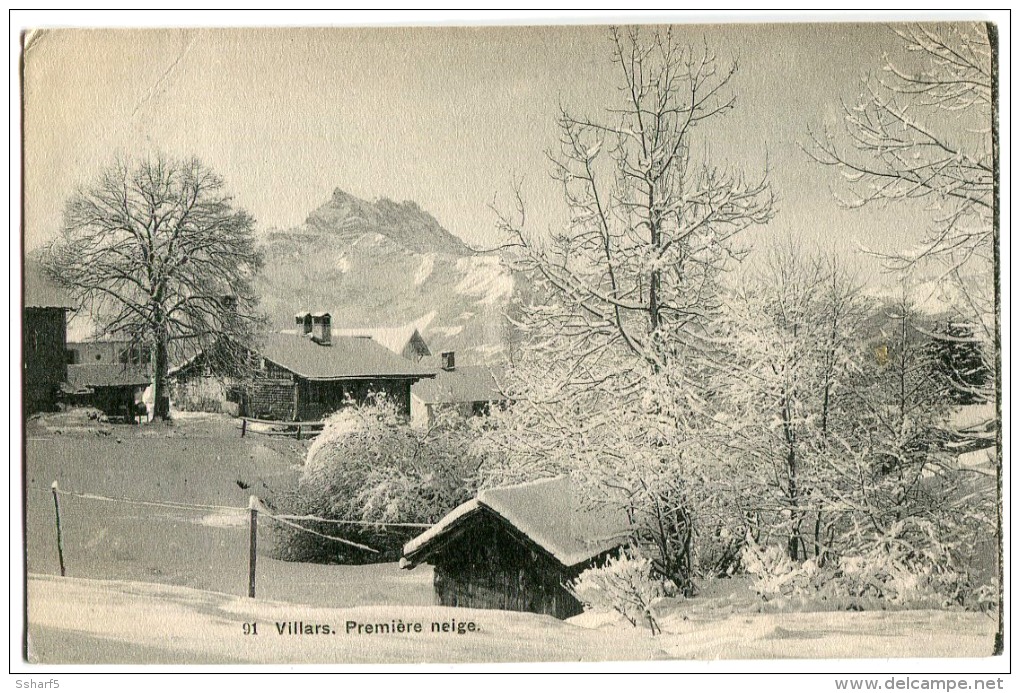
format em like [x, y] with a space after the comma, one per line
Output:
[626, 585]
[791, 339]
[610, 385]
[926, 130]
[908, 475]
[902, 422]
[837, 436]
[157, 254]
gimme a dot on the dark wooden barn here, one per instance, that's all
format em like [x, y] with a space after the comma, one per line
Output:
[113, 388]
[309, 374]
[516, 548]
[44, 340]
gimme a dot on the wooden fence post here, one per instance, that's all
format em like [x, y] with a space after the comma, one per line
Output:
[299, 432]
[244, 426]
[253, 505]
[60, 539]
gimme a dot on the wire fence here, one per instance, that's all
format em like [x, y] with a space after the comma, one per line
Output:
[246, 516]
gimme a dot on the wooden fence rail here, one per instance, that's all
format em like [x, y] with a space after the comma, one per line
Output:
[291, 429]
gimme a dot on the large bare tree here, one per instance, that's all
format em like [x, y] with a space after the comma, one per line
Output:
[155, 251]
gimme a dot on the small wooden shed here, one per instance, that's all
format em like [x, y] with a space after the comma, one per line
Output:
[112, 388]
[515, 548]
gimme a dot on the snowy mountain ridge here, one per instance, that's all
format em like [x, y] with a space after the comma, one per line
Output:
[386, 264]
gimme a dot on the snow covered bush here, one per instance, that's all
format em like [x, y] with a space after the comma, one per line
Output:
[909, 566]
[783, 582]
[985, 598]
[371, 470]
[905, 568]
[626, 584]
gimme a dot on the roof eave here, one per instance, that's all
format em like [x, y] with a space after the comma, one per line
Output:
[420, 553]
[327, 378]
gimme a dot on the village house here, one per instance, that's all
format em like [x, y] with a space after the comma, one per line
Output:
[465, 390]
[309, 373]
[516, 548]
[195, 386]
[44, 339]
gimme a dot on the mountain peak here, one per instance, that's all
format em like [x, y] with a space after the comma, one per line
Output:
[383, 263]
[404, 223]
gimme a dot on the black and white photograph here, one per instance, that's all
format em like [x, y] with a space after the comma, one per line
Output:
[616, 340]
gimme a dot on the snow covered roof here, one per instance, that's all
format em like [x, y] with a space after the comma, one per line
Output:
[984, 458]
[345, 358]
[89, 375]
[973, 417]
[41, 291]
[462, 384]
[548, 512]
[393, 338]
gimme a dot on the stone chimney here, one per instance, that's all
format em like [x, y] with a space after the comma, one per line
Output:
[322, 330]
[449, 363]
[304, 322]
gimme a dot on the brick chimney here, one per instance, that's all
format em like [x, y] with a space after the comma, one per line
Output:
[322, 330]
[304, 322]
[448, 361]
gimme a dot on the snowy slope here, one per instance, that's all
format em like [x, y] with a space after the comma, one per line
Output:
[95, 621]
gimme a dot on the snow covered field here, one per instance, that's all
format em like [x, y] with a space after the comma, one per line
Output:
[156, 585]
[97, 621]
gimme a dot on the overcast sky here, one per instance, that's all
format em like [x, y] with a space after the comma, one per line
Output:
[446, 117]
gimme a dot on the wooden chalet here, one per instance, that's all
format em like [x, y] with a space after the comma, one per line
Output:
[309, 373]
[515, 548]
[104, 352]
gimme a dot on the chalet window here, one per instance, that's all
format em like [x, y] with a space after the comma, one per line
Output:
[72, 356]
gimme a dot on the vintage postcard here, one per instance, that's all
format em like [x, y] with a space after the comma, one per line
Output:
[512, 344]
